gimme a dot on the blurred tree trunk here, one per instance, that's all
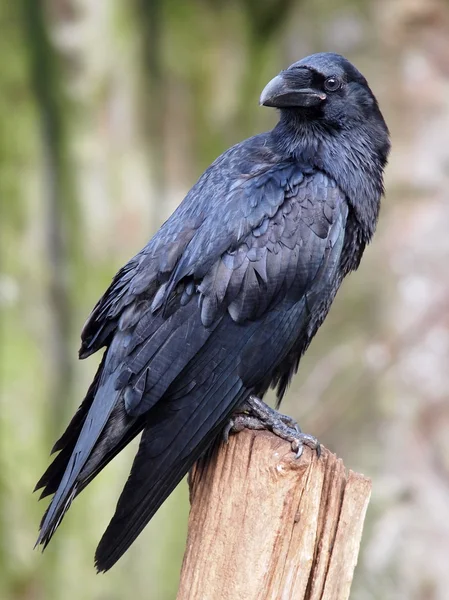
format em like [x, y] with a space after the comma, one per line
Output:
[264, 21]
[150, 21]
[60, 207]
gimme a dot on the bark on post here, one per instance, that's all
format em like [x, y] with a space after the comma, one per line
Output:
[265, 526]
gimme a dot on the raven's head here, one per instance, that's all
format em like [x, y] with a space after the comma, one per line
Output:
[331, 120]
[324, 88]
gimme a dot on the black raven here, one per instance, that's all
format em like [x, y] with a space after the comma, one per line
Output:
[226, 297]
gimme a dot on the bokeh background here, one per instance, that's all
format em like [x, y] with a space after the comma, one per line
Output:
[109, 111]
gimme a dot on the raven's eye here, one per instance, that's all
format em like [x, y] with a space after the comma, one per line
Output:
[332, 84]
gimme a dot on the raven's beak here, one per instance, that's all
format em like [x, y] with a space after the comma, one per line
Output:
[282, 93]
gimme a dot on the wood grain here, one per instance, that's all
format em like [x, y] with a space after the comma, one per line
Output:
[265, 525]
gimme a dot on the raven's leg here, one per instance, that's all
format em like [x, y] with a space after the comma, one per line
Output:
[255, 414]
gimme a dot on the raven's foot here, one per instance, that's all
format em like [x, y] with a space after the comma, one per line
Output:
[255, 414]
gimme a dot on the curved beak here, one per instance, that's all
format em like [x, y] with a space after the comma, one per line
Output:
[282, 93]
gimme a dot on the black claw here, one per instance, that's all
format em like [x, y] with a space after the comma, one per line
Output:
[227, 430]
[255, 414]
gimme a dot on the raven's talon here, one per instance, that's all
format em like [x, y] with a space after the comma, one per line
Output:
[240, 421]
[227, 430]
[290, 422]
[304, 439]
[267, 414]
[255, 414]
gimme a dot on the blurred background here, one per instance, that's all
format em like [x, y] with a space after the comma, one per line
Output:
[109, 111]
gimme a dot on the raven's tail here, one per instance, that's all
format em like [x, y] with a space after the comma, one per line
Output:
[177, 432]
[98, 431]
[183, 411]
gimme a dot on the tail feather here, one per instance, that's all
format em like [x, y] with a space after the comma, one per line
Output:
[53, 524]
[73, 430]
[178, 430]
[92, 427]
[65, 445]
[52, 477]
[169, 447]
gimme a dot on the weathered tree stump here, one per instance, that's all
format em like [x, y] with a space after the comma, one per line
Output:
[264, 525]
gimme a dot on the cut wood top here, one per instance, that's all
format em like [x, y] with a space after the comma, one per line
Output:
[265, 525]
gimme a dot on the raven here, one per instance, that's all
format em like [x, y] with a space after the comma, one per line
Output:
[226, 297]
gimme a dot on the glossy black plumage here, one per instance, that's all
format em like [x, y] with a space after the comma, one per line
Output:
[226, 297]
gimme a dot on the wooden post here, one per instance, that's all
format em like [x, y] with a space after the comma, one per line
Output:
[264, 525]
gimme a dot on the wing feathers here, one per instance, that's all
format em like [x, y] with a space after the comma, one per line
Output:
[159, 467]
[197, 321]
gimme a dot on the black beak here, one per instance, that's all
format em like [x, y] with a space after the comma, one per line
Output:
[282, 93]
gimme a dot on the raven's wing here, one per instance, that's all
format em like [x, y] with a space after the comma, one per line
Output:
[184, 323]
